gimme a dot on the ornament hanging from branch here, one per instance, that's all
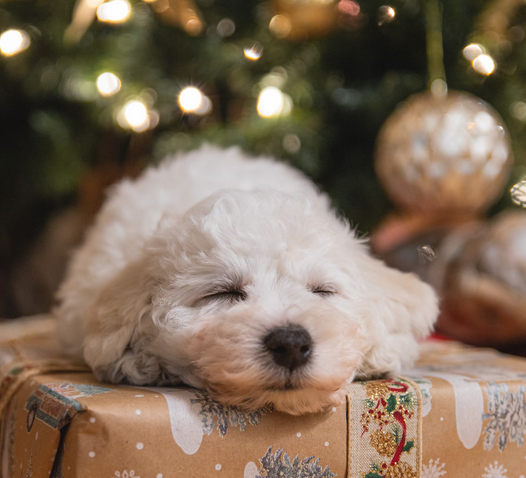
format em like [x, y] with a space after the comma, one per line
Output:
[443, 153]
[442, 156]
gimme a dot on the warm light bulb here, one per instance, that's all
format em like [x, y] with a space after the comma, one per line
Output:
[13, 42]
[472, 50]
[136, 115]
[254, 51]
[484, 65]
[386, 14]
[193, 26]
[108, 84]
[190, 99]
[114, 11]
[270, 102]
[280, 26]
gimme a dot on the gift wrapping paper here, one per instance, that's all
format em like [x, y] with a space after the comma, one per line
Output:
[460, 412]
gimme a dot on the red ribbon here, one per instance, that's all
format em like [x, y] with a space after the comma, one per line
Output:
[398, 387]
[400, 419]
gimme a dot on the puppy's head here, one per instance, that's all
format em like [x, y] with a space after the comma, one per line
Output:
[260, 298]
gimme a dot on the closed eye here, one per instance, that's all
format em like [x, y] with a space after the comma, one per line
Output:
[323, 291]
[235, 295]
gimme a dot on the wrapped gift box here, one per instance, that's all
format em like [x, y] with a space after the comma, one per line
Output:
[460, 412]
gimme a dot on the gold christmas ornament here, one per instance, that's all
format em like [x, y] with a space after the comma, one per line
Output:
[447, 155]
[301, 19]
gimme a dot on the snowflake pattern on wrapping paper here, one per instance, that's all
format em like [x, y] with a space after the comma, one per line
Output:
[435, 469]
[125, 474]
[226, 415]
[495, 471]
[278, 465]
[506, 415]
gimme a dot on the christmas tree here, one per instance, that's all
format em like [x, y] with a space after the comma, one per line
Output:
[90, 85]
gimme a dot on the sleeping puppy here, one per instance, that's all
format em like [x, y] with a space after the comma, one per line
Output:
[233, 274]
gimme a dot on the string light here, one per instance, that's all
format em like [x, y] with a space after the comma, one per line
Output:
[108, 84]
[136, 116]
[190, 99]
[193, 26]
[114, 11]
[226, 28]
[386, 14]
[13, 42]
[135, 113]
[280, 26]
[254, 51]
[484, 65]
[273, 102]
[291, 143]
[205, 107]
[472, 50]
[480, 61]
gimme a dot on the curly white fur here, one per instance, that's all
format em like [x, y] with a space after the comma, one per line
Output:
[136, 302]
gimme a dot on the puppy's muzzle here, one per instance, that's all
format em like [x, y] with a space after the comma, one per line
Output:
[290, 346]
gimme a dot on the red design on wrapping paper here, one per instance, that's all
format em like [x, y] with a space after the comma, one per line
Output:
[397, 387]
[388, 406]
[400, 419]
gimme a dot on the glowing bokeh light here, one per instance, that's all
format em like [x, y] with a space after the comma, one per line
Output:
[484, 65]
[280, 26]
[291, 143]
[472, 50]
[386, 14]
[190, 99]
[348, 7]
[193, 26]
[226, 27]
[13, 42]
[254, 51]
[518, 193]
[108, 84]
[114, 11]
[518, 110]
[205, 107]
[270, 102]
[136, 116]
[135, 113]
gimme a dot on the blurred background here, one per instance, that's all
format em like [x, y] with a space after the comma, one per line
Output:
[411, 114]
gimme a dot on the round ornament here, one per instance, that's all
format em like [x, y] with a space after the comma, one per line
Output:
[480, 274]
[446, 155]
[301, 19]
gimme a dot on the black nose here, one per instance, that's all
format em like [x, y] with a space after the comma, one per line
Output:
[290, 346]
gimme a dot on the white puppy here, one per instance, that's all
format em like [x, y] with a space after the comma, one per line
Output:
[234, 275]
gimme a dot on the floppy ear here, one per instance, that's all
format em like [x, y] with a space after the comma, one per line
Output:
[114, 324]
[403, 309]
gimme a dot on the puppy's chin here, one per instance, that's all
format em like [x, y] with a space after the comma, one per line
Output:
[295, 402]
